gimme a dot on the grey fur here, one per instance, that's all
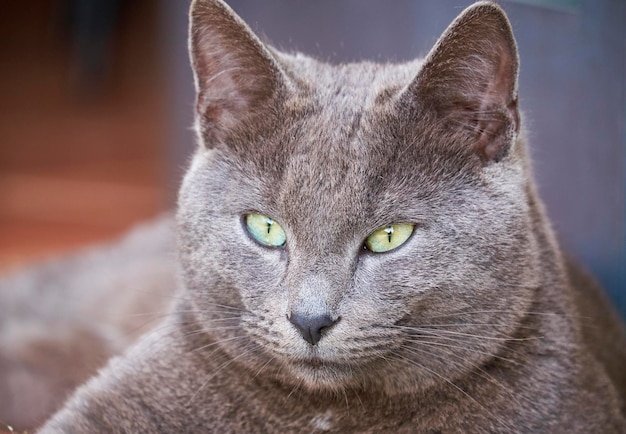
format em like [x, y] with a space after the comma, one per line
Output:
[476, 324]
[60, 321]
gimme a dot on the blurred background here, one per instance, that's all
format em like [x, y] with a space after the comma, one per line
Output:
[97, 96]
[82, 123]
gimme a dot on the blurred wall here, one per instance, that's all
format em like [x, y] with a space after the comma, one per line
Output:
[81, 124]
[571, 88]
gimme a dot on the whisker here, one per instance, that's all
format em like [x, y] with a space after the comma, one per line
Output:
[175, 295]
[439, 344]
[345, 396]
[477, 312]
[469, 324]
[225, 306]
[296, 387]
[173, 323]
[174, 312]
[482, 373]
[217, 371]
[486, 375]
[468, 335]
[264, 366]
[212, 344]
[419, 365]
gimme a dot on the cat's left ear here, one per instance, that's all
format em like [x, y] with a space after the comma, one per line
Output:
[237, 78]
[470, 77]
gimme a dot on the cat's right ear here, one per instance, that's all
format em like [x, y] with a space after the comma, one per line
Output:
[236, 76]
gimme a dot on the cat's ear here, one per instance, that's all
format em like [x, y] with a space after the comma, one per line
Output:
[470, 78]
[236, 76]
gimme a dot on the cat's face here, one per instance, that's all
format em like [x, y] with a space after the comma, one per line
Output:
[331, 155]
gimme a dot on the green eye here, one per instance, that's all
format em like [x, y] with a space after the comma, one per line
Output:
[389, 237]
[265, 230]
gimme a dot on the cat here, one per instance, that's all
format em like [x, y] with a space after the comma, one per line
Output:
[362, 249]
[62, 320]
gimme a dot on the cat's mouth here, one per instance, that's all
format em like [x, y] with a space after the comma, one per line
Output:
[316, 373]
[320, 361]
[319, 366]
[316, 362]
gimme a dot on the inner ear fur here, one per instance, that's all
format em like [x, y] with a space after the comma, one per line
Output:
[470, 79]
[236, 76]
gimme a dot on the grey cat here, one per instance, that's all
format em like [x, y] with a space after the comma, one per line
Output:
[363, 250]
[62, 320]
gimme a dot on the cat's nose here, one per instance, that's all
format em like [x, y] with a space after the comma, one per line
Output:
[311, 327]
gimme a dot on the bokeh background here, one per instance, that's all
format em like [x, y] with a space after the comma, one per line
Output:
[82, 123]
[96, 103]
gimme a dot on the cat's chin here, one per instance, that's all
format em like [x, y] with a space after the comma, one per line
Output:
[317, 374]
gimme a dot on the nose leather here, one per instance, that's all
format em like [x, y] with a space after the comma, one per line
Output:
[312, 326]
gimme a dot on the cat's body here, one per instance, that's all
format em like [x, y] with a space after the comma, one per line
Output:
[62, 320]
[475, 323]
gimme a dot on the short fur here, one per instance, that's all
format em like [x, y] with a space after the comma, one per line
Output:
[62, 320]
[475, 324]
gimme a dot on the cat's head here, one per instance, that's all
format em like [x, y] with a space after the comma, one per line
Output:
[362, 224]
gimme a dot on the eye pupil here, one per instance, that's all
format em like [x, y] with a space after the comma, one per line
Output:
[389, 231]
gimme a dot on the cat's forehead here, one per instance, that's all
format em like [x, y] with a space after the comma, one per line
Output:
[339, 109]
[348, 83]
[342, 158]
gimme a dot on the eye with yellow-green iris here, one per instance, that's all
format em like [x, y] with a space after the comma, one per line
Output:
[389, 237]
[265, 230]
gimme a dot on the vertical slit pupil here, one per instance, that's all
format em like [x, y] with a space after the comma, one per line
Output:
[269, 225]
[389, 231]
